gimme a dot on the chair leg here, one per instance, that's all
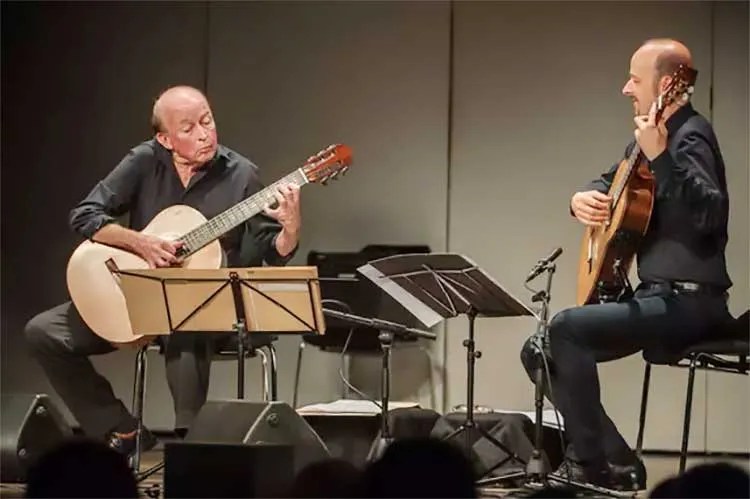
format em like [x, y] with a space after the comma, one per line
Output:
[431, 381]
[688, 413]
[296, 374]
[347, 361]
[273, 373]
[264, 373]
[139, 395]
[644, 403]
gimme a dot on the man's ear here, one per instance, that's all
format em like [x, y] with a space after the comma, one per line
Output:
[163, 139]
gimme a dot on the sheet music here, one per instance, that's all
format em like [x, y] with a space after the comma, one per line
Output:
[352, 407]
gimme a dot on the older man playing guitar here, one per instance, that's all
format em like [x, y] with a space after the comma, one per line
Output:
[183, 164]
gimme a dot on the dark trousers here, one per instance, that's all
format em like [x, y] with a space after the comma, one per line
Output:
[656, 320]
[61, 343]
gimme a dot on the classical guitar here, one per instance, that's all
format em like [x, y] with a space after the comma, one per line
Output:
[94, 289]
[608, 250]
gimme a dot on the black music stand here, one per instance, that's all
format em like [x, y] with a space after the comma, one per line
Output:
[439, 286]
[239, 300]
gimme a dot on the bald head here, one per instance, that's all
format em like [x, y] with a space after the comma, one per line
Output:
[666, 55]
[651, 68]
[184, 124]
[173, 100]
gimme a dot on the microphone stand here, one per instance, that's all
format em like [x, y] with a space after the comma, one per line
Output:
[536, 468]
[387, 331]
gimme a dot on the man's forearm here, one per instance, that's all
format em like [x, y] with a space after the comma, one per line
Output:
[286, 242]
[119, 236]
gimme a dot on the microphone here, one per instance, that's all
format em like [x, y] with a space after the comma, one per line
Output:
[378, 324]
[542, 264]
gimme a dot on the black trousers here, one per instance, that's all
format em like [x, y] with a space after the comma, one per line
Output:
[656, 321]
[61, 343]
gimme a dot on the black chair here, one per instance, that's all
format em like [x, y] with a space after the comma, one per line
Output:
[225, 349]
[342, 290]
[728, 353]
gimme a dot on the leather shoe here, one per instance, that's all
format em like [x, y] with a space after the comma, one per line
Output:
[617, 477]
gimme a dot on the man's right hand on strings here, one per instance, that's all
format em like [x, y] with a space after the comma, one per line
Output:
[591, 207]
[156, 251]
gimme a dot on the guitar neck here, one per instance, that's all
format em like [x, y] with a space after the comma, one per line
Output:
[630, 166]
[237, 214]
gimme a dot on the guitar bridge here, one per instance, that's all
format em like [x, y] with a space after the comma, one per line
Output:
[113, 269]
[112, 266]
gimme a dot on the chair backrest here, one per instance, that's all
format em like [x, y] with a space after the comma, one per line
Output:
[740, 327]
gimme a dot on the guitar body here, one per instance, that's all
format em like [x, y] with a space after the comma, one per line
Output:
[605, 245]
[95, 291]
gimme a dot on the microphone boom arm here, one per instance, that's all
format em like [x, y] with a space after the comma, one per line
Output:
[378, 324]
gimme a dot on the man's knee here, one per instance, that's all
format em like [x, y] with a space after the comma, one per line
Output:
[561, 325]
[528, 357]
[37, 332]
[535, 355]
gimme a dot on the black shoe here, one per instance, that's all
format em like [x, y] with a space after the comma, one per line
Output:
[635, 473]
[124, 443]
[619, 477]
[568, 471]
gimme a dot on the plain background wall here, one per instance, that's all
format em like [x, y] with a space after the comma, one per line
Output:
[471, 125]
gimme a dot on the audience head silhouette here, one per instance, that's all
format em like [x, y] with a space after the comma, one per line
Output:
[81, 468]
[329, 478]
[420, 468]
[706, 480]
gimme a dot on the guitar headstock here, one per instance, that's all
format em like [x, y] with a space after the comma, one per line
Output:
[328, 164]
[681, 87]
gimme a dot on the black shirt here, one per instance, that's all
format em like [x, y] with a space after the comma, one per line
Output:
[145, 182]
[687, 233]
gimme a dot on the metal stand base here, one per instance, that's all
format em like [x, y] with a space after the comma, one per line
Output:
[469, 425]
[384, 439]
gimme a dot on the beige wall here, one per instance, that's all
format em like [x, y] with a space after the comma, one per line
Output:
[727, 396]
[370, 75]
[529, 107]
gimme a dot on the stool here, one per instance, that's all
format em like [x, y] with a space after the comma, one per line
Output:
[708, 356]
[226, 349]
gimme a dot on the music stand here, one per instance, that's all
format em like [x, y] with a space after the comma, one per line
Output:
[241, 300]
[439, 286]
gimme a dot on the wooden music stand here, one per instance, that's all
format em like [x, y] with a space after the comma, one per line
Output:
[241, 300]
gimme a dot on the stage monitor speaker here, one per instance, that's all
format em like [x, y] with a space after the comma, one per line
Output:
[237, 421]
[30, 426]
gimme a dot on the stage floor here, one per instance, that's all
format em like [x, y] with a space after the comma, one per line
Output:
[659, 467]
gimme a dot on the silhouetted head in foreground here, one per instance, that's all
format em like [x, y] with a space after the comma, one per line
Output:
[420, 468]
[706, 480]
[81, 468]
[329, 478]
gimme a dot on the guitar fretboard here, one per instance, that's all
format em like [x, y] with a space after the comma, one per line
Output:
[620, 188]
[237, 214]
